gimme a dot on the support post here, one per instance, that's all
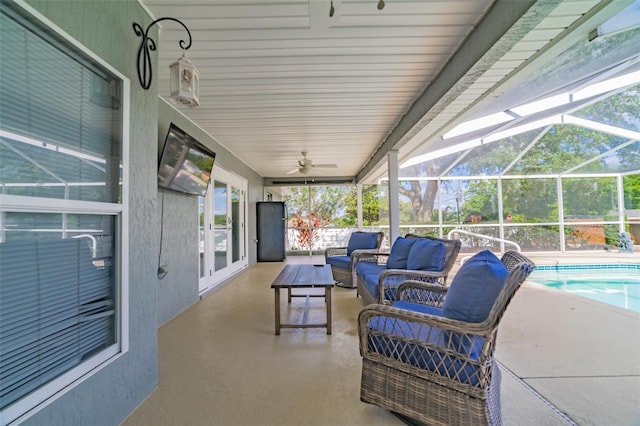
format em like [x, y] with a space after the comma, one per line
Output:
[359, 205]
[394, 202]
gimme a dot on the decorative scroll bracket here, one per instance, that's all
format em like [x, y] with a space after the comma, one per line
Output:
[145, 72]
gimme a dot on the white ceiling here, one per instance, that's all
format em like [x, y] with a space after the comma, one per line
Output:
[281, 76]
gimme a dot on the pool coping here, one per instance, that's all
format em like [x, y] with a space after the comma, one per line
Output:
[589, 266]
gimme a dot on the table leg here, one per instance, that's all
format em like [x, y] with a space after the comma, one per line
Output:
[277, 319]
[327, 298]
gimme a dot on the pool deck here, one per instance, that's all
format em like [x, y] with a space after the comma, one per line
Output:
[580, 358]
[587, 257]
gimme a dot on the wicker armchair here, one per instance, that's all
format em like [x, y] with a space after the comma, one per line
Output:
[341, 258]
[430, 368]
[390, 279]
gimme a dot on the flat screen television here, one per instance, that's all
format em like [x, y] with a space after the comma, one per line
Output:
[185, 164]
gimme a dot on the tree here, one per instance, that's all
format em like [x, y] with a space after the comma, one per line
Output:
[323, 202]
[482, 198]
[370, 206]
[632, 191]
[421, 194]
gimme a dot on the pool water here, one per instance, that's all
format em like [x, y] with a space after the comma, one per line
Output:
[617, 285]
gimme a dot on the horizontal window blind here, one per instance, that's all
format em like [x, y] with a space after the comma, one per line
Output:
[60, 137]
[56, 309]
[60, 119]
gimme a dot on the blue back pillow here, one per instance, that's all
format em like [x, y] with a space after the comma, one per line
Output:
[362, 240]
[475, 288]
[426, 255]
[400, 253]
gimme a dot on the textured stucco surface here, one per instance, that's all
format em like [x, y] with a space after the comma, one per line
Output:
[109, 395]
[106, 397]
[179, 289]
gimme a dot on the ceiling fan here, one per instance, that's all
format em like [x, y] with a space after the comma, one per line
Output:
[305, 165]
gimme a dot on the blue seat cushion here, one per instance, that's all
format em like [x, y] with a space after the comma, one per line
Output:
[362, 240]
[342, 262]
[370, 274]
[400, 253]
[434, 359]
[475, 288]
[426, 255]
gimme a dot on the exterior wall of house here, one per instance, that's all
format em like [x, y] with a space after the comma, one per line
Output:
[179, 289]
[109, 395]
[179, 222]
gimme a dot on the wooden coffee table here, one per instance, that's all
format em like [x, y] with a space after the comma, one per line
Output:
[304, 276]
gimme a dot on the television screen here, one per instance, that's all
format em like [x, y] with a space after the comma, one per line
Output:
[185, 164]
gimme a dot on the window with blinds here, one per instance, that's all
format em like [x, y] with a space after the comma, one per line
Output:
[61, 212]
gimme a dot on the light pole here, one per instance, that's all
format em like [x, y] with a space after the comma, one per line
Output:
[458, 199]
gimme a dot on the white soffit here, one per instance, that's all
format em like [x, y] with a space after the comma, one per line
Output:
[281, 76]
[564, 15]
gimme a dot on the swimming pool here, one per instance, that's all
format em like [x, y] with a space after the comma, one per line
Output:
[617, 285]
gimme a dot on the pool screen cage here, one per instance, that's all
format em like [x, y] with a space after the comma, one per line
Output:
[553, 164]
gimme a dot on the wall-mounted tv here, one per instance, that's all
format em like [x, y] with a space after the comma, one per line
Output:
[185, 164]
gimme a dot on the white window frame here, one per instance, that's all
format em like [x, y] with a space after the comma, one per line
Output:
[38, 399]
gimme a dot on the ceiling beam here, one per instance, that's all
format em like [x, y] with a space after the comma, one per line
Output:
[504, 25]
[308, 180]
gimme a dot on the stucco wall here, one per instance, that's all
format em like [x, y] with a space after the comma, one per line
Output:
[108, 396]
[179, 222]
[179, 289]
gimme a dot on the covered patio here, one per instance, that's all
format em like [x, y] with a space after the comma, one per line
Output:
[517, 120]
[565, 359]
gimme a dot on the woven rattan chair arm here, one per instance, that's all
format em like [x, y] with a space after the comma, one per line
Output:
[431, 294]
[334, 251]
[512, 258]
[364, 255]
[394, 277]
[428, 276]
[371, 256]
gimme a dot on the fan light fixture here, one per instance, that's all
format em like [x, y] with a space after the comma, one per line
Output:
[184, 76]
[306, 165]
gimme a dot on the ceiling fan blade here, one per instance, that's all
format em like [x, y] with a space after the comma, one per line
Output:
[293, 171]
[325, 166]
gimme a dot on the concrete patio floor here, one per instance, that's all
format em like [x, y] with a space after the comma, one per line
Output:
[566, 359]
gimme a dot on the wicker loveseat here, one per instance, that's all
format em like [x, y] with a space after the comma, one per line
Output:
[422, 360]
[413, 257]
[340, 258]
